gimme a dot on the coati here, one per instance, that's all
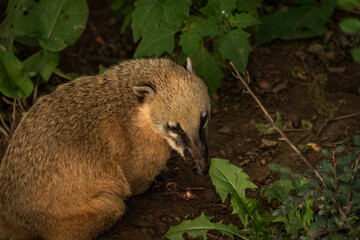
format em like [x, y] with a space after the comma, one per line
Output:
[80, 151]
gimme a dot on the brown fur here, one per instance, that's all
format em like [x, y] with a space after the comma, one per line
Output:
[82, 150]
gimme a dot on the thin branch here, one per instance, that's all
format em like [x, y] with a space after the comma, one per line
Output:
[238, 76]
[346, 116]
[3, 131]
[3, 123]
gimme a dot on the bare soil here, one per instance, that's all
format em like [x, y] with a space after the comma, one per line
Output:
[232, 134]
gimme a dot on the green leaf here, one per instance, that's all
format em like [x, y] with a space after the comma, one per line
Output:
[243, 20]
[61, 22]
[247, 6]
[159, 40]
[200, 226]
[116, 4]
[343, 160]
[355, 52]
[305, 21]
[326, 153]
[218, 7]
[344, 188]
[328, 180]
[350, 25]
[347, 3]
[274, 166]
[14, 80]
[175, 12]
[208, 67]
[339, 149]
[228, 178]
[212, 27]
[280, 190]
[234, 46]
[18, 23]
[190, 42]
[327, 167]
[42, 62]
[146, 16]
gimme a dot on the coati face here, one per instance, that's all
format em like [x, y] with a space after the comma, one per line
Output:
[192, 147]
[179, 108]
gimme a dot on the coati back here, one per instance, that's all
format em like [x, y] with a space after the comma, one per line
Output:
[80, 151]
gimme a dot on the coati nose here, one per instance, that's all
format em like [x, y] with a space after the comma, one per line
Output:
[201, 171]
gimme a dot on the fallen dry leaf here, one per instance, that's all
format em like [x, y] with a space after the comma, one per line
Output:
[99, 40]
[268, 143]
[314, 146]
[279, 87]
[336, 69]
[263, 84]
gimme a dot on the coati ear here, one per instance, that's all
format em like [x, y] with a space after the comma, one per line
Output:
[189, 67]
[144, 93]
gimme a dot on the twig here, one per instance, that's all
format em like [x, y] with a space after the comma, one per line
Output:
[35, 90]
[330, 119]
[4, 132]
[346, 116]
[238, 76]
[13, 115]
[6, 127]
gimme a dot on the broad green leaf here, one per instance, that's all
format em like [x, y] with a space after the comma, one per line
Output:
[243, 20]
[234, 46]
[198, 228]
[228, 178]
[17, 22]
[280, 190]
[116, 4]
[355, 52]
[218, 8]
[190, 42]
[212, 27]
[156, 42]
[307, 20]
[350, 25]
[175, 12]
[42, 62]
[347, 3]
[247, 6]
[146, 16]
[14, 80]
[61, 22]
[208, 67]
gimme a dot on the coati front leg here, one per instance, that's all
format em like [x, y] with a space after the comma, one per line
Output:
[104, 206]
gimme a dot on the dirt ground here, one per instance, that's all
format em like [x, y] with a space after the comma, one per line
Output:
[280, 86]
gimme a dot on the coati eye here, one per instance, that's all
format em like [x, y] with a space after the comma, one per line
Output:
[177, 129]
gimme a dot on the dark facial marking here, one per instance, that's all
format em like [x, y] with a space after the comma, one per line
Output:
[178, 130]
[188, 157]
[202, 133]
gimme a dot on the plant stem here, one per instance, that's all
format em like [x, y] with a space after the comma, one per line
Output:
[351, 183]
[238, 76]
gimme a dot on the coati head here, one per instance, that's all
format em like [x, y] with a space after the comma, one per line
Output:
[178, 105]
